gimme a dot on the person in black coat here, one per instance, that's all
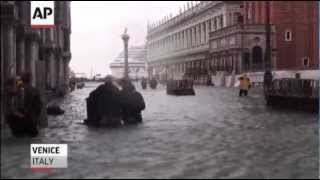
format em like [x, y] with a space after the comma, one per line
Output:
[153, 83]
[132, 103]
[104, 105]
[93, 113]
[144, 83]
[109, 105]
[25, 115]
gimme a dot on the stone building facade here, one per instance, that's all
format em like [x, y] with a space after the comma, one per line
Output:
[45, 53]
[221, 40]
[293, 41]
[296, 31]
[239, 49]
[179, 46]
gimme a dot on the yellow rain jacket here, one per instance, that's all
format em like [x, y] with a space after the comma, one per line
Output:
[245, 83]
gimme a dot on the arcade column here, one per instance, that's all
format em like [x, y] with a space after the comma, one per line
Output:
[8, 49]
[32, 53]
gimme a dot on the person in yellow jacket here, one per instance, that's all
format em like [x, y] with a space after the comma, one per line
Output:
[245, 85]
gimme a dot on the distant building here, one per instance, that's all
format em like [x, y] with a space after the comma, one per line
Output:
[136, 60]
[179, 46]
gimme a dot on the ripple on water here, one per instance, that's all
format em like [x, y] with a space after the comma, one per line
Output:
[214, 134]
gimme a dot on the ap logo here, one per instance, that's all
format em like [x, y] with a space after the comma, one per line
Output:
[42, 14]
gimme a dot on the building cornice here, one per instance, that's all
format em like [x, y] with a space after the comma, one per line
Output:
[185, 16]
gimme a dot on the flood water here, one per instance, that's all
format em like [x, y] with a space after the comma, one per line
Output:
[215, 134]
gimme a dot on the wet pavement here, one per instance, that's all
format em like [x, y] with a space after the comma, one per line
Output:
[215, 134]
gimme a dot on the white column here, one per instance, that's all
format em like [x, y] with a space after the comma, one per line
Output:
[239, 59]
[188, 37]
[207, 32]
[197, 34]
[176, 41]
[20, 55]
[193, 37]
[171, 43]
[9, 50]
[66, 73]
[185, 39]
[212, 24]
[181, 40]
[51, 70]
[202, 33]
[161, 46]
[61, 73]
[32, 50]
[165, 44]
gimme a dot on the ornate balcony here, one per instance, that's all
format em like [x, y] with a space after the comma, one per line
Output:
[235, 37]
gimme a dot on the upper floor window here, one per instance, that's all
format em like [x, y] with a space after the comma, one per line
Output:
[288, 35]
[305, 61]
[232, 40]
[214, 44]
[221, 21]
[223, 42]
[249, 12]
[215, 23]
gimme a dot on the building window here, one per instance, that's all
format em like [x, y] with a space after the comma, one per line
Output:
[215, 23]
[288, 35]
[205, 32]
[223, 42]
[221, 21]
[249, 13]
[305, 61]
[214, 44]
[232, 40]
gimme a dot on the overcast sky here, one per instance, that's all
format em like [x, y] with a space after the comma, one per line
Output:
[97, 26]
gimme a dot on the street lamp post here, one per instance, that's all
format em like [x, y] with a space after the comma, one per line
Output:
[268, 64]
[125, 37]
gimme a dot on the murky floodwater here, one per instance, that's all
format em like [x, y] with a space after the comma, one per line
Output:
[212, 135]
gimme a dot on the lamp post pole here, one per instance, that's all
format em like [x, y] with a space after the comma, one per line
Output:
[125, 37]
